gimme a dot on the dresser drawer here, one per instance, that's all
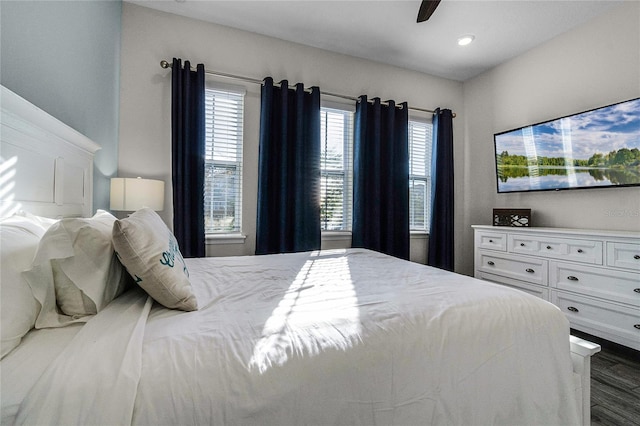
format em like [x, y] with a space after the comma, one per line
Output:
[623, 255]
[530, 270]
[616, 286]
[613, 321]
[596, 273]
[491, 240]
[536, 290]
[585, 251]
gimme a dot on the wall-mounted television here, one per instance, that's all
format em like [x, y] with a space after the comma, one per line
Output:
[596, 148]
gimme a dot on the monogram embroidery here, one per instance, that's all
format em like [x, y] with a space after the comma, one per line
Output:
[169, 256]
[168, 259]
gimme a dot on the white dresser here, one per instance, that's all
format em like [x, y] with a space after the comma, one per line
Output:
[592, 276]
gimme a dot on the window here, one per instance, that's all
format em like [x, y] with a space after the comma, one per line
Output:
[336, 127]
[420, 134]
[224, 110]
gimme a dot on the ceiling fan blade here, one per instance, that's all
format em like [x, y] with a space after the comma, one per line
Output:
[426, 9]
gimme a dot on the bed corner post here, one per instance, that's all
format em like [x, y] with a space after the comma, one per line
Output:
[581, 353]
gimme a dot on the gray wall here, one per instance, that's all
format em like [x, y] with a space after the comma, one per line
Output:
[64, 57]
[149, 36]
[591, 66]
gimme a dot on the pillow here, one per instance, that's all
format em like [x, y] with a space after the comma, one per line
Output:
[75, 272]
[45, 222]
[150, 252]
[19, 237]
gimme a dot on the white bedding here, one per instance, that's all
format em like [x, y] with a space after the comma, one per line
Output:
[332, 337]
[22, 368]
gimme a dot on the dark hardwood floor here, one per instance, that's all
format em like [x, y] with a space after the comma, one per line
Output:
[615, 384]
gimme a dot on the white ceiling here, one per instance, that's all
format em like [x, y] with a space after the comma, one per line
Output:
[386, 30]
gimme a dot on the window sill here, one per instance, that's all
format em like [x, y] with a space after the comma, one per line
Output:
[214, 239]
[336, 236]
[346, 235]
[419, 235]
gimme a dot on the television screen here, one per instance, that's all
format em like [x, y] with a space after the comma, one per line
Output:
[597, 148]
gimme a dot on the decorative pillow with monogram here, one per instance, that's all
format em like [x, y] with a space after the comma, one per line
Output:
[150, 253]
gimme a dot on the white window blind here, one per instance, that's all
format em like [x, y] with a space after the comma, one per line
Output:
[224, 111]
[420, 135]
[336, 127]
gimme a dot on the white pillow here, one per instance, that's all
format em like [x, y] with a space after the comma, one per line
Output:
[19, 238]
[75, 272]
[45, 222]
[150, 252]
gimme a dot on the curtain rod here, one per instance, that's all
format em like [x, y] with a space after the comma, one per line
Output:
[165, 64]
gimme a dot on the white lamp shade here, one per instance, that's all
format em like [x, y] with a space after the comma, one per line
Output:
[131, 194]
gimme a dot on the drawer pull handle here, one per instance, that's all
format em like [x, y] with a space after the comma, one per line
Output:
[580, 251]
[548, 247]
[572, 309]
[636, 257]
[490, 263]
[529, 270]
[572, 278]
[490, 241]
[637, 326]
[521, 244]
[637, 290]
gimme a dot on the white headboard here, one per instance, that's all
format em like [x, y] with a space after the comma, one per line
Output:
[46, 167]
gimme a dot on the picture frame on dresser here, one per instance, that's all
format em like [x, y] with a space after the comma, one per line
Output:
[593, 276]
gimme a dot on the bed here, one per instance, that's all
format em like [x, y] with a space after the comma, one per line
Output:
[326, 337]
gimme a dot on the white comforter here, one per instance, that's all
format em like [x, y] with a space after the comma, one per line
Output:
[332, 337]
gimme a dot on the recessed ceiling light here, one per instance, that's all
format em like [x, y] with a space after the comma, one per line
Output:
[466, 39]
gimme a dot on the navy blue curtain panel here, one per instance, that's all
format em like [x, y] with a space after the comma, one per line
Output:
[441, 243]
[288, 169]
[187, 149]
[381, 178]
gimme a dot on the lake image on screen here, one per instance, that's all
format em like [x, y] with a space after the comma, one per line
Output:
[591, 149]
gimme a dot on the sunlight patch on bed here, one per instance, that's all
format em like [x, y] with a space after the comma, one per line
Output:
[8, 205]
[319, 311]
